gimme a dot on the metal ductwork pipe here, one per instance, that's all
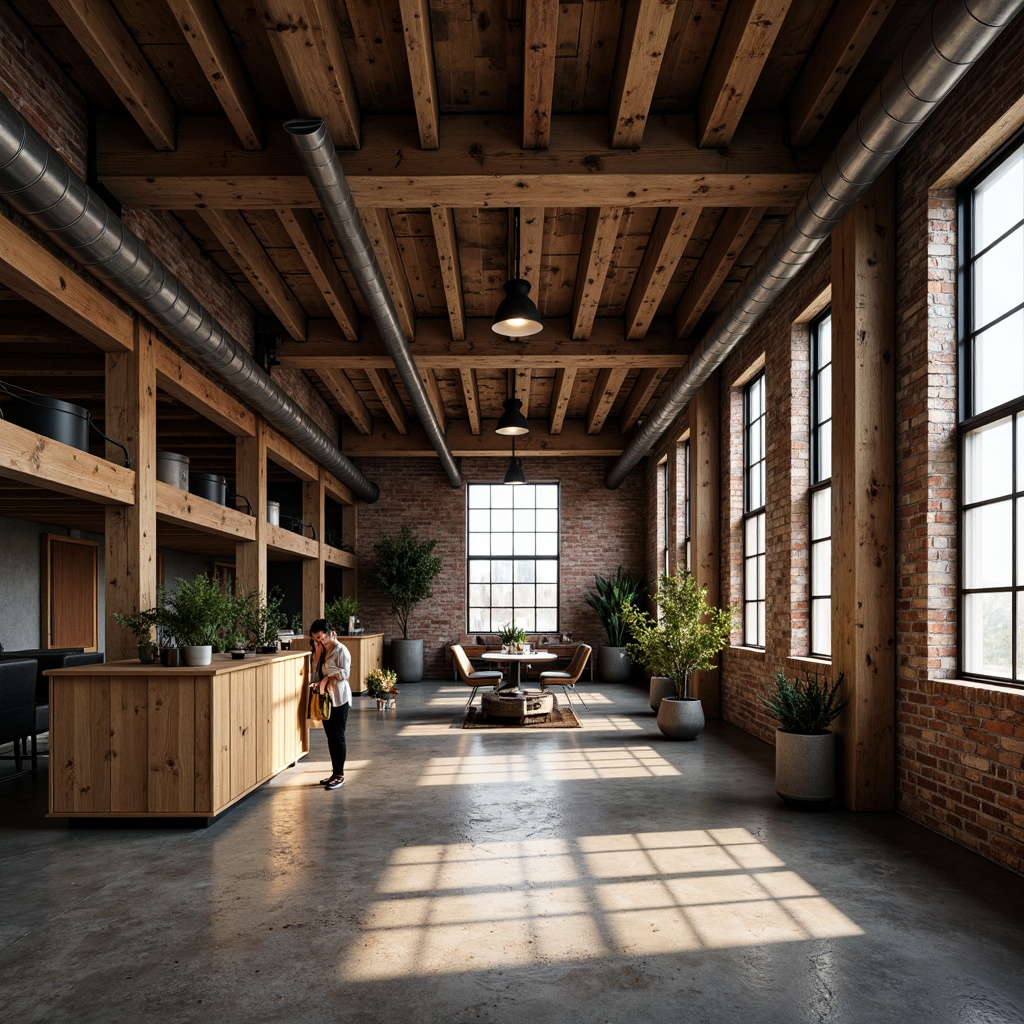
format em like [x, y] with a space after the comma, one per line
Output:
[36, 182]
[953, 36]
[321, 163]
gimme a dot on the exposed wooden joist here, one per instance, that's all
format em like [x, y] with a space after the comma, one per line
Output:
[561, 393]
[730, 237]
[244, 248]
[480, 163]
[390, 398]
[451, 268]
[389, 259]
[531, 244]
[471, 398]
[669, 239]
[744, 43]
[843, 42]
[348, 398]
[643, 390]
[213, 49]
[305, 235]
[96, 27]
[646, 25]
[419, 50]
[606, 390]
[31, 271]
[385, 442]
[540, 43]
[308, 44]
[434, 396]
[283, 453]
[595, 258]
[483, 350]
[524, 378]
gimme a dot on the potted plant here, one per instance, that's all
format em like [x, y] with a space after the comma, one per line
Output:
[141, 625]
[404, 568]
[340, 612]
[512, 637]
[198, 614]
[686, 639]
[258, 620]
[805, 747]
[611, 593]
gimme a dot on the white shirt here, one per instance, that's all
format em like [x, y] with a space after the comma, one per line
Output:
[338, 663]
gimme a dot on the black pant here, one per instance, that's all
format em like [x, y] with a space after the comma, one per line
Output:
[334, 727]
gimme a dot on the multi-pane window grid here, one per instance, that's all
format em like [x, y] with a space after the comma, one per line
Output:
[992, 420]
[754, 513]
[820, 512]
[686, 506]
[512, 557]
[663, 485]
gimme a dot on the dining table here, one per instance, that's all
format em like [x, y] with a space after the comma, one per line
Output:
[515, 663]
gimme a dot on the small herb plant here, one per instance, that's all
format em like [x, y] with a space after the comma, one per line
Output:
[805, 705]
[511, 634]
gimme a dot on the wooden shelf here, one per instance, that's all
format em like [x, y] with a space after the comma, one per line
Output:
[335, 556]
[177, 506]
[280, 539]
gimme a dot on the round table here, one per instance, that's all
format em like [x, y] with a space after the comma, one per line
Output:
[515, 662]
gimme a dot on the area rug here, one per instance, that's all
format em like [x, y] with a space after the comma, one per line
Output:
[560, 718]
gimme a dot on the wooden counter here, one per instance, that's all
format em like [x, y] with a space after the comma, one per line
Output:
[134, 740]
[367, 650]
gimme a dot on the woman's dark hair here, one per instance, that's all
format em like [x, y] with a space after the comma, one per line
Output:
[320, 626]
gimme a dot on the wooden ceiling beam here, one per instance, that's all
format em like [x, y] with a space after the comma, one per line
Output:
[599, 236]
[434, 397]
[390, 398]
[419, 50]
[561, 393]
[844, 40]
[479, 164]
[606, 390]
[245, 249]
[646, 26]
[531, 244]
[671, 234]
[744, 42]
[347, 397]
[451, 268]
[208, 38]
[471, 397]
[96, 27]
[540, 46]
[305, 235]
[389, 258]
[524, 379]
[641, 393]
[307, 42]
[730, 237]
[433, 348]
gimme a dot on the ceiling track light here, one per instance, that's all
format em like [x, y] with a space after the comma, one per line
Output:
[516, 315]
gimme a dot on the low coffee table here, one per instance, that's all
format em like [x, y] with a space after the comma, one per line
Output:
[515, 663]
[517, 704]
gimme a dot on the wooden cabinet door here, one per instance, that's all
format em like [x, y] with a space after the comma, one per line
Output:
[69, 605]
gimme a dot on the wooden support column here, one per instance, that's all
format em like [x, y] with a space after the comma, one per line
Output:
[130, 530]
[706, 519]
[313, 596]
[251, 480]
[863, 505]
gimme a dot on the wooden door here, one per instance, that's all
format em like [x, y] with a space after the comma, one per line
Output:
[69, 612]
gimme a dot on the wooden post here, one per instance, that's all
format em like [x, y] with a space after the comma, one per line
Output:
[706, 516]
[863, 506]
[313, 569]
[251, 480]
[130, 530]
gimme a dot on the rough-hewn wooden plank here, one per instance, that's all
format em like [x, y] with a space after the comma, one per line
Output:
[470, 397]
[451, 268]
[524, 378]
[389, 259]
[348, 398]
[595, 259]
[251, 482]
[606, 390]
[540, 39]
[389, 398]
[643, 390]
[201, 514]
[561, 393]
[420, 52]
[531, 243]
[286, 455]
[434, 395]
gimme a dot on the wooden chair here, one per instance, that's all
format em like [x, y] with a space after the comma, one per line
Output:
[567, 680]
[472, 677]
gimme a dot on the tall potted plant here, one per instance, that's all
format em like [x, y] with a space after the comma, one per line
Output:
[805, 747]
[196, 612]
[686, 639]
[607, 599]
[404, 568]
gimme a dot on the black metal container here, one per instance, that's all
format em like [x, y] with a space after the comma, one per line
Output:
[209, 486]
[52, 418]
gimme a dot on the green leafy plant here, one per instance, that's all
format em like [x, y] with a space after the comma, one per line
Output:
[340, 610]
[197, 613]
[686, 639]
[140, 624]
[511, 634]
[381, 682]
[805, 705]
[257, 620]
[404, 568]
[611, 593]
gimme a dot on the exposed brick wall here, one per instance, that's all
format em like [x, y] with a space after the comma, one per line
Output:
[600, 529]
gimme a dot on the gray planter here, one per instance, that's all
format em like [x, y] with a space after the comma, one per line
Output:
[407, 660]
[681, 719]
[196, 655]
[613, 665]
[661, 687]
[805, 768]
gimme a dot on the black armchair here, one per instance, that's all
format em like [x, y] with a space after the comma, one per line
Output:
[17, 704]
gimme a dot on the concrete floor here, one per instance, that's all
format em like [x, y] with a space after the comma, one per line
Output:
[594, 875]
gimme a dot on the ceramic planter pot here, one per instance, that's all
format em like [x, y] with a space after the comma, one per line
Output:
[661, 687]
[681, 719]
[613, 665]
[805, 768]
[197, 655]
[407, 660]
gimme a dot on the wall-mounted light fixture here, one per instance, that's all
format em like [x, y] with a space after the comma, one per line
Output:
[516, 316]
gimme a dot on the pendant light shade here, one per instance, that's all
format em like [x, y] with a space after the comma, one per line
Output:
[517, 316]
[514, 474]
[513, 422]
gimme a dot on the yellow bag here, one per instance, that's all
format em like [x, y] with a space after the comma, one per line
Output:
[319, 708]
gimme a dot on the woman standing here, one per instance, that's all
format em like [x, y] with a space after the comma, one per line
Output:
[331, 666]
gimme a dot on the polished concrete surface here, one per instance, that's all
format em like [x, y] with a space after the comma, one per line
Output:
[603, 874]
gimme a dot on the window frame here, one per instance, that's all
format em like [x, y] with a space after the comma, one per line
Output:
[817, 484]
[758, 514]
[686, 505]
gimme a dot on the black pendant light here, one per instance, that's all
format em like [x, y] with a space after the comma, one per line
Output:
[514, 474]
[516, 316]
[513, 422]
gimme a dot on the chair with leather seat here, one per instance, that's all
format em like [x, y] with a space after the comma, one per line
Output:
[568, 678]
[17, 704]
[472, 677]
